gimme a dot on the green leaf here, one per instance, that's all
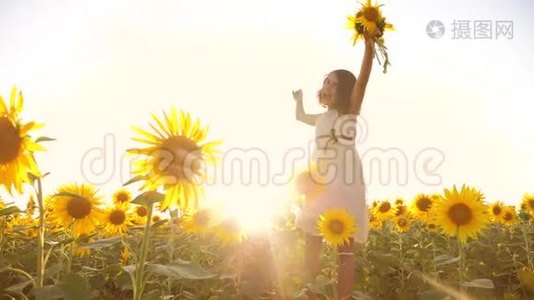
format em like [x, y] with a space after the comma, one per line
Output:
[9, 211]
[135, 179]
[103, 243]
[181, 269]
[74, 287]
[48, 292]
[148, 198]
[433, 295]
[44, 139]
[17, 287]
[445, 260]
[480, 283]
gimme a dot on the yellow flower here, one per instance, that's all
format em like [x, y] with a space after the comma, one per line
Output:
[421, 206]
[384, 210]
[122, 196]
[402, 210]
[173, 159]
[309, 183]
[201, 221]
[527, 203]
[496, 210]
[17, 148]
[76, 206]
[402, 223]
[369, 18]
[117, 219]
[461, 213]
[374, 221]
[229, 232]
[399, 201]
[508, 216]
[336, 226]
[140, 215]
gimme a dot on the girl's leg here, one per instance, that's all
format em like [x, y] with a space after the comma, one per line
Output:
[313, 245]
[346, 270]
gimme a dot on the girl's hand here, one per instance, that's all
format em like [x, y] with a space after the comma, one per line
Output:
[370, 37]
[297, 95]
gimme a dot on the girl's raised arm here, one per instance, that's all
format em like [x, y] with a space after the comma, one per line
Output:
[358, 91]
[299, 110]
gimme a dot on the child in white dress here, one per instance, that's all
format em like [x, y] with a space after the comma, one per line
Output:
[335, 136]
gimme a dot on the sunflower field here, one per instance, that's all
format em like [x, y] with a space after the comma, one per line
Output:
[160, 241]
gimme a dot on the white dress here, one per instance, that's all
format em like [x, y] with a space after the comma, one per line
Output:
[345, 187]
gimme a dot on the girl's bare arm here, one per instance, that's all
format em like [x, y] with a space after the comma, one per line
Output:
[299, 110]
[358, 91]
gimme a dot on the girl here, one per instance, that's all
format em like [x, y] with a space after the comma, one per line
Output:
[335, 134]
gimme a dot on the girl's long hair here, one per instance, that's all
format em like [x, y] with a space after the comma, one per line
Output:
[346, 81]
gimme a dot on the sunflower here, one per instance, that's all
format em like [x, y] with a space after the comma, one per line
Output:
[76, 206]
[496, 210]
[229, 232]
[402, 223]
[336, 226]
[16, 152]
[201, 221]
[399, 201]
[508, 216]
[309, 183]
[173, 158]
[122, 196]
[384, 210]
[369, 18]
[527, 203]
[117, 219]
[461, 213]
[140, 214]
[421, 206]
[374, 222]
[402, 210]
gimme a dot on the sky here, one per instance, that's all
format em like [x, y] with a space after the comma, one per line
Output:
[448, 111]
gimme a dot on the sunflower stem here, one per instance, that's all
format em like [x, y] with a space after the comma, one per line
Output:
[527, 243]
[40, 236]
[140, 265]
[461, 262]
[401, 259]
[172, 217]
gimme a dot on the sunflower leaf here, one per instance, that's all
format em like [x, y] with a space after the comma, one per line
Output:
[9, 211]
[148, 198]
[134, 179]
[44, 139]
[181, 269]
[479, 283]
[445, 260]
[103, 243]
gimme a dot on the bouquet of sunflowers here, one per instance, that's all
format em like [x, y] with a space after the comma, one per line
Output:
[370, 19]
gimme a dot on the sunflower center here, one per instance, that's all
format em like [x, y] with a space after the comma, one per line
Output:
[371, 14]
[141, 211]
[460, 214]
[178, 157]
[497, 210]
[117, 217]
[122, 197]
[10, 141]
[402, 222]
[424, 204]
[79, 208]
[507, 216]
[336, 226]
[384, 207]
[432, 226]
[531, 204]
